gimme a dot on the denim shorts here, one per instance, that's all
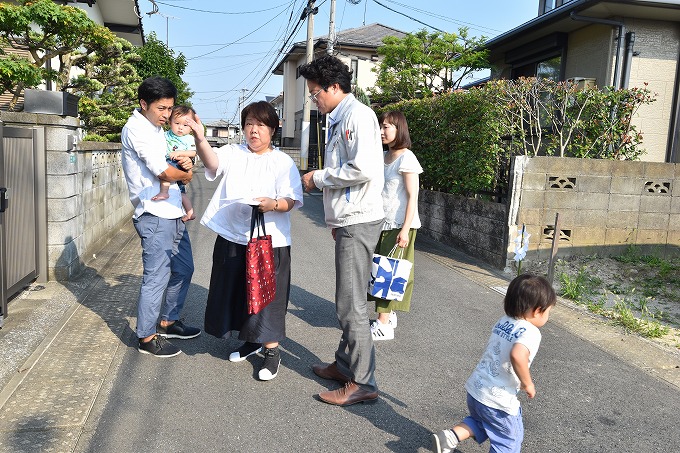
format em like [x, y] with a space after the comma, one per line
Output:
[504, 431]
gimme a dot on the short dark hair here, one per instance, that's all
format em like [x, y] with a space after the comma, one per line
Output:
[155, 88]
[183, 110]
[528, 292]
[403, 138]
[327, 71]
[262, 111]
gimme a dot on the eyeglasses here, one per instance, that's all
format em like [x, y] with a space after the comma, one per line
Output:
[314, 95]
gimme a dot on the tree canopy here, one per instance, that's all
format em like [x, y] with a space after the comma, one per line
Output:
[156, 59]
[108, 88]
[46, 31]
[423, 64]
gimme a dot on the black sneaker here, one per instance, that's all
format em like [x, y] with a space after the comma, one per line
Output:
[270, 366]
[159, 347]
[247, 349]
[178, 330]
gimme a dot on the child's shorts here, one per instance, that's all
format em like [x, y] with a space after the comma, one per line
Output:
[504, 431]
[180, 184]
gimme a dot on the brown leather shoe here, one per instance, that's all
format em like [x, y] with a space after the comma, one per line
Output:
[350, 394]
[330, 372]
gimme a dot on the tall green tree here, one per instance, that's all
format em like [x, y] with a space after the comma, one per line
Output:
[46, 31]
[108, 88]
[423, 64]
[156, 59]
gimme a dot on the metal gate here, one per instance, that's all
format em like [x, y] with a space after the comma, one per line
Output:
[23, 210]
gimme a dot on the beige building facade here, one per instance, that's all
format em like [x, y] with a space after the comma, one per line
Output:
[579, 39]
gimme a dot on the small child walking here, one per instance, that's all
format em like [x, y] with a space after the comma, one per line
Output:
[180, 143]
[503, 371]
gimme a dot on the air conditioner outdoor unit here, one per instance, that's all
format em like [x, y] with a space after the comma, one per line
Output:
[584, 82]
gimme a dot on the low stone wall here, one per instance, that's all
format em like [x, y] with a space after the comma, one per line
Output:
[87, 198]
[604, 206]
[101, 202]
[476, 227]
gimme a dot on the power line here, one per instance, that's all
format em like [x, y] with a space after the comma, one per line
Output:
[412, 18]
[219, 12]
[227, 45]
[445, 18]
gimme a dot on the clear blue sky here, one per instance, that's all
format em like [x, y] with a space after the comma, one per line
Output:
[233, 45]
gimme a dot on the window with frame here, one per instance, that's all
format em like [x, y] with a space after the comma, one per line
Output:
[545, 6]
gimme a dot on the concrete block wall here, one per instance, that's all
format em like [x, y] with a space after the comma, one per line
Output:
[87, 198]
[106, 203]
[604, 206]
[294, 153]
[474, 226]
[87, 203]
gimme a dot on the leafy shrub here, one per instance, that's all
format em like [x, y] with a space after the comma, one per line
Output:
[464, 138]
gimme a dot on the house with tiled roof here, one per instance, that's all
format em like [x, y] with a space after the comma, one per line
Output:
[221, 132]
[357, 47]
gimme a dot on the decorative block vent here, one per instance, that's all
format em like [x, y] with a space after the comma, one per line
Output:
[561, 183]
[661, 188]
[549, 233]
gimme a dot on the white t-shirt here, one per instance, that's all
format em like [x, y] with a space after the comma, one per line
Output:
[247, 175]
[494, 382]
[143, 156]
[394, 193]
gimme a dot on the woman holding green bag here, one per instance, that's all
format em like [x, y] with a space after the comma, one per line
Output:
[400, 203]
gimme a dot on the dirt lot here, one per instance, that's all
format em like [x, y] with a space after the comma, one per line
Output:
[640, 293]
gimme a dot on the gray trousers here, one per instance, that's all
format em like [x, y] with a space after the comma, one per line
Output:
[354, 246]
[168, 267]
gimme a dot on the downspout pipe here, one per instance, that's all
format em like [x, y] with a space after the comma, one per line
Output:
[630, 43]
[619, 41]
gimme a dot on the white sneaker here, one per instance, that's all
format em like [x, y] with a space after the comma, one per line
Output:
[444, 441]
[393, 320]
[381, 331]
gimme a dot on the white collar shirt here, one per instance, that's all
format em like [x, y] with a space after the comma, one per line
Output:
[143, 159]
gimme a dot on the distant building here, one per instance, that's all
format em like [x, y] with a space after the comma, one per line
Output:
[357, 47]
[221, 132]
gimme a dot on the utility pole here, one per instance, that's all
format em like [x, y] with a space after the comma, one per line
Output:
[306, 102]
[241, 100]
[331, 30]
[167, 27]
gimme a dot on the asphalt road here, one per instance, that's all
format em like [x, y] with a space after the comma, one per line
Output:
[588, 400]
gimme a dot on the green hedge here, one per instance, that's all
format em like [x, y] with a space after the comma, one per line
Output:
[457, 139]
[465, 139]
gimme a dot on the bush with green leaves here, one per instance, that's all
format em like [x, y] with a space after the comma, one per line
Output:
[545, 117]
[457, 138]
[45, 30]
[463, 138]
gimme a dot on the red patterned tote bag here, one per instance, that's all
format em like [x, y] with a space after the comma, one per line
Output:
[260, 268]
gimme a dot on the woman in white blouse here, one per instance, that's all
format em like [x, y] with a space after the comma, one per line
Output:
[255, 173]
[400, 202]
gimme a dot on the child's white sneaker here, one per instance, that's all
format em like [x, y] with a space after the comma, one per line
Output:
[444, 441]
[393, 320]
[381, 331]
